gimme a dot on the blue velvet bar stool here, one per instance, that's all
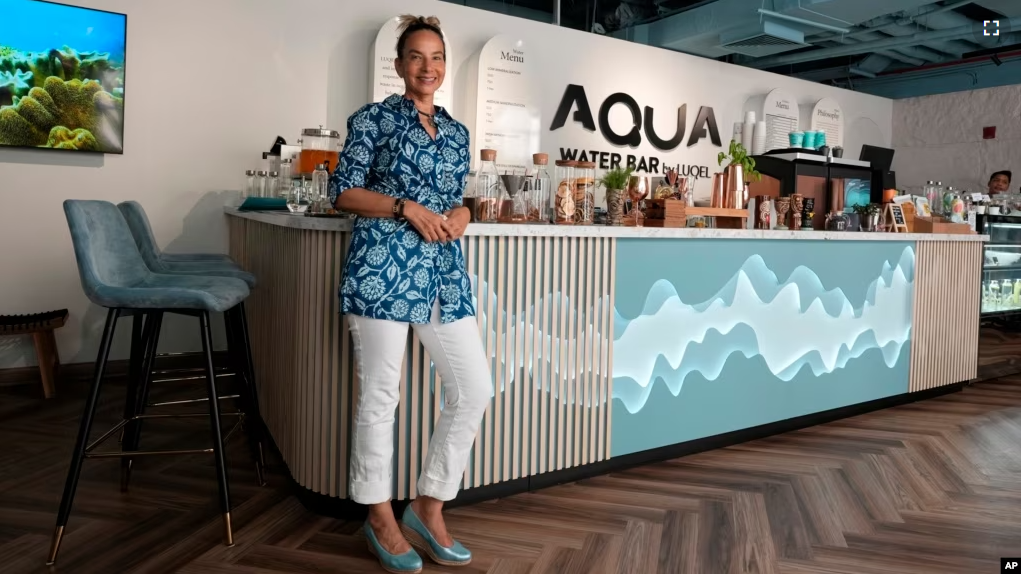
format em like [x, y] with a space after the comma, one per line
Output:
[114, 276]
[235, 320]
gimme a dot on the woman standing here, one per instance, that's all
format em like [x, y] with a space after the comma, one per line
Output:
[403, 172]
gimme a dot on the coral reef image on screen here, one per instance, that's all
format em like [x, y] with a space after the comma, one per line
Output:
[738, 334]
[61, 77]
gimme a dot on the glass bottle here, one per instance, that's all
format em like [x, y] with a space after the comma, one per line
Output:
[539, 190]
[249, 190]
[563, 198]
[929, 192]
[286, 173]
[273, 185]
[1006, 293]
[320, 183]
[948, 201]
[994, 294]
[937, 206]
[585, 193]
[260, 183]
[487, 188]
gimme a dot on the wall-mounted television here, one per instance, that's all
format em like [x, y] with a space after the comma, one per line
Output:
[61, 77]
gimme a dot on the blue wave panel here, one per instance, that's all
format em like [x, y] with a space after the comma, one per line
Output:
[713, 336]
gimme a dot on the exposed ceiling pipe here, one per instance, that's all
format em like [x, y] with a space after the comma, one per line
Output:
[556, 12]
[950, 7]
[878, 24]
[861, 72]
[896, 42]
[967, 61]
[810, 23]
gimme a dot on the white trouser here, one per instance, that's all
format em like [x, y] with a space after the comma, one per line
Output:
[456, 350]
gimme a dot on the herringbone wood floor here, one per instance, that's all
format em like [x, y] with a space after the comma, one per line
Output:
[928, 487]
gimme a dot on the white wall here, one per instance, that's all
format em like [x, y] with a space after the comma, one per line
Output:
[940, 138]
[210, 84]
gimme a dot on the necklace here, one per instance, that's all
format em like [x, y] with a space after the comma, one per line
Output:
[428, 117]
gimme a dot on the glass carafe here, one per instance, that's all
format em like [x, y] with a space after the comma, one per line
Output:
[298, 197]
[585, 193]
[487, 188]
[513, 198]
[539, 190]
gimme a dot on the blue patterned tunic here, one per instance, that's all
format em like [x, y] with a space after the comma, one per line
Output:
[391, 272]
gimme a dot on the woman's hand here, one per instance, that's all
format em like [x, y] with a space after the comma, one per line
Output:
[457, 221]
[428, 224]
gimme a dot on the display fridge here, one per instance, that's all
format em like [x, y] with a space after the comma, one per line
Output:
[1001, 268]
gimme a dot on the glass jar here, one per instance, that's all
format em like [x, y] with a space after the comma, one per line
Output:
[487, 188]
[468, 199]
[318, 146]
[539, 190]
[585, 193]
[563, 198]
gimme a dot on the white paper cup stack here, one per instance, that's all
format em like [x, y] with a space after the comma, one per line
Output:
[747, 135]
[759, 139]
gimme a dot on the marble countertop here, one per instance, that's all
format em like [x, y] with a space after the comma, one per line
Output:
[285, 219]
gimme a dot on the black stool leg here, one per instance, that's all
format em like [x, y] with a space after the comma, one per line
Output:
[81, 443]
[214, 419]
[246, 401]
[134, 364]
[253, 389]
[139, 396]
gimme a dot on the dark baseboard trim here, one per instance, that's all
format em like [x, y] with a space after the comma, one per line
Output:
[77, 372]
[347, 509]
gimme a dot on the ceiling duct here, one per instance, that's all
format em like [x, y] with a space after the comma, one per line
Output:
[761, 39]
[722, 27]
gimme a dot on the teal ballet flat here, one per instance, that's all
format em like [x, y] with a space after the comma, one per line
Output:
[420, 537]
[408, 563]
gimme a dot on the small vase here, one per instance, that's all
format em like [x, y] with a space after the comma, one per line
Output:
[719, 184]
[869, 222]
[614, 206]
[733, 187]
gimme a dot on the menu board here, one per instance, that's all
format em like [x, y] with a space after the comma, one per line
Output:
[385, 80]
[782, 117]
[507, 114]
[828, 117]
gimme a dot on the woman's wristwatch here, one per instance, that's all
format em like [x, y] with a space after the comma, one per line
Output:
[398, 209]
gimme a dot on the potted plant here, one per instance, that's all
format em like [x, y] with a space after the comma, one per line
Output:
[615, 183]
[737, 155]
[740, 168]
[868, 216]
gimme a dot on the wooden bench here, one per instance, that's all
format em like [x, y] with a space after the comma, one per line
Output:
[40, 326]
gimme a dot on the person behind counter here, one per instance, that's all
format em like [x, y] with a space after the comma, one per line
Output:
[402, 173]
[999, 182]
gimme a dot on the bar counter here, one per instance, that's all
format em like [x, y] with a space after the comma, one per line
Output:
[613, 346]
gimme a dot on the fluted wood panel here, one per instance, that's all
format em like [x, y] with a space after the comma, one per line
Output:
[544, 312]
[945, 323]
